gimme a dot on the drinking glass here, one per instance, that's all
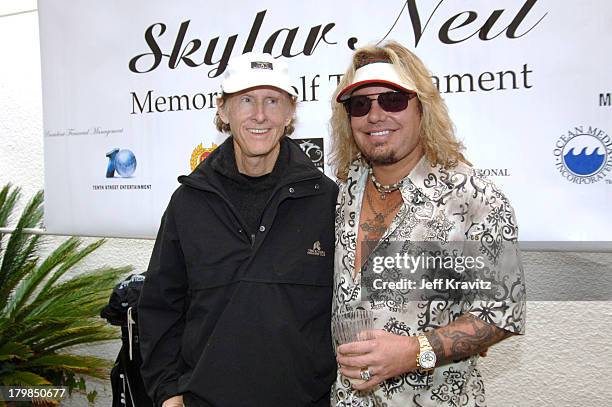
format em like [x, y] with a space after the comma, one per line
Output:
[352, 326]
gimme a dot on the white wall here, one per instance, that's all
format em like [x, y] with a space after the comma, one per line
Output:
[564, 360]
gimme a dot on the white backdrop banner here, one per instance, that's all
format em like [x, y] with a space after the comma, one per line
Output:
[129, 97]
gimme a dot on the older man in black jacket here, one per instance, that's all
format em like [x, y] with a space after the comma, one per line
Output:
[235, 310]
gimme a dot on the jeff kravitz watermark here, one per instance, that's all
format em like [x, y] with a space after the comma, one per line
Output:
[397, 273]
[435, 284]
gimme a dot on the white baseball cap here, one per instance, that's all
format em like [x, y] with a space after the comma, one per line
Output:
[376, 72]
[256, 69]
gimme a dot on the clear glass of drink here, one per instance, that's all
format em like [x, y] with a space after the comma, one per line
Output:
[352, 326]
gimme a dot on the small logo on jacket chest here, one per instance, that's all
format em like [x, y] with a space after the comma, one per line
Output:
[316, 250]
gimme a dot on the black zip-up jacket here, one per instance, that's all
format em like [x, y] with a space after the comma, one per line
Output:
[230, 320]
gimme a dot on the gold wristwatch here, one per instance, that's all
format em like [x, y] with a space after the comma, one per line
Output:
[426, 358]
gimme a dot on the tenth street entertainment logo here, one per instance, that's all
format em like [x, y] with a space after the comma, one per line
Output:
[121, 163]
[120, 170]
[584, 155]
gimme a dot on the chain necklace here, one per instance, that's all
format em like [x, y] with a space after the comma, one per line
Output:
[375, 228]
[378, 225]
[383, 190]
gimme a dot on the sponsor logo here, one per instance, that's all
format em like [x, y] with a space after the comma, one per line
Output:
[199, 154]
[316, 250]
[262, 65]
[313, 148]
[92, 131]
[492, 172]
[121, 163]
[584, 155]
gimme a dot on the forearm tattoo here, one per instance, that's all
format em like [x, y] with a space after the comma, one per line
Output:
[465, 337]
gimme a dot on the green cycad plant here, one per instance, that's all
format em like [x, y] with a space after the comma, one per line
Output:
[43, 315]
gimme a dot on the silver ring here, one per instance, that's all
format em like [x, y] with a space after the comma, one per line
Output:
[365, 374]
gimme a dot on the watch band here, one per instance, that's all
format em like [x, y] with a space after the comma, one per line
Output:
[424, 343]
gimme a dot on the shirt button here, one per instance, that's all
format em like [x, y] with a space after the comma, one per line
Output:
[316, 186]
[291, 190]
[262, 228]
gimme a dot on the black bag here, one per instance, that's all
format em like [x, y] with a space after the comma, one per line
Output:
[126, 382]
[125, 295]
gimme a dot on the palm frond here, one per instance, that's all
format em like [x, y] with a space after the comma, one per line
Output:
[8, 198]
[9, 303]
[42, 313]
[75, 297]
[71, 261]
[27, 286]
[15, 350]
[21, 248]
[49, 337]
[31, 331]
[22, 378]
[90, 365]
[75, 334]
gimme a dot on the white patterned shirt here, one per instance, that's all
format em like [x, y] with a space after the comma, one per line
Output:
[443, 206]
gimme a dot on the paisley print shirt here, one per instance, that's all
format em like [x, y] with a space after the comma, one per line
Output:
[441, 205]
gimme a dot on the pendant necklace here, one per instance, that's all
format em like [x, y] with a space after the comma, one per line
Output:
[379, 225]
[384, 190]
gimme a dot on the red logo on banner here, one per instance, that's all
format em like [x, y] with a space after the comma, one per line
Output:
[199, 154]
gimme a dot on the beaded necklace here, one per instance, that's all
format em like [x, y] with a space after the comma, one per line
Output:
[383, 190]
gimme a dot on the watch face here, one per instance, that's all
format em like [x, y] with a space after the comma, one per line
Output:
[427, 359]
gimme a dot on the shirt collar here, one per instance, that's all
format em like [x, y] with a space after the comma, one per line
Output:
[428, 179]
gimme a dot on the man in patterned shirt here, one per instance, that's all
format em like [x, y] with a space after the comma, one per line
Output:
[404, 179]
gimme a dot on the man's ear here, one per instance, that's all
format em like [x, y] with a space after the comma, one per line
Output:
[221, 111]
[291, 114]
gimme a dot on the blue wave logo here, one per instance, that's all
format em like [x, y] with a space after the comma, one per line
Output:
[584, 155]
[584, 164]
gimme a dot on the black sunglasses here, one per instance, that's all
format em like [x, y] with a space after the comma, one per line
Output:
[360, 105]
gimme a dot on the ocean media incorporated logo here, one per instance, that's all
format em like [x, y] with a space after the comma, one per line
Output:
[584, 155]
[313, 148]
[121, 162]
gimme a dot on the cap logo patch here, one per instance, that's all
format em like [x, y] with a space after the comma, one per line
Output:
[261, 65]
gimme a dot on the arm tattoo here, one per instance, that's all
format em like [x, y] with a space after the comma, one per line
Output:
[465, 337]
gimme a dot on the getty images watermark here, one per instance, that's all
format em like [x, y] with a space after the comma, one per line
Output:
[406, 263]
[399, 272]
